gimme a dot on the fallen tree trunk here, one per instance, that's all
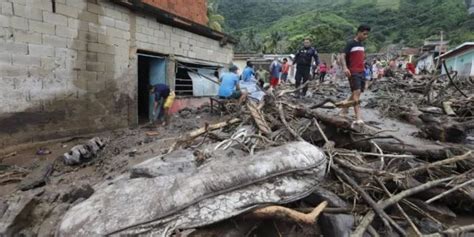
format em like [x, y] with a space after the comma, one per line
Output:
[430, 153]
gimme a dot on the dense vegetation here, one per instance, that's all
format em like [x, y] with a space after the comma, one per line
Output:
[279, 26]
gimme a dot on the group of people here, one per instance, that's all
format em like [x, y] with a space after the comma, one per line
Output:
[351, 61]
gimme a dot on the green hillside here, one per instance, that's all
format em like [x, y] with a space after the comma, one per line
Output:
[279, 26]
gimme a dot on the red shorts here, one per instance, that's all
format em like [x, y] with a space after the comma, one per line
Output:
[274, 81]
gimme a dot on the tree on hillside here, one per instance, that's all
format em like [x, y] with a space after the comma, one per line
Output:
[215, 19]
[273, 43]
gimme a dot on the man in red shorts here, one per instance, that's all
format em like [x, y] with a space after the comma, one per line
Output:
[275, 69]
[353, 64]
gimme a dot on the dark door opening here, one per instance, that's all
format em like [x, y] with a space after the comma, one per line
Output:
[151, 71]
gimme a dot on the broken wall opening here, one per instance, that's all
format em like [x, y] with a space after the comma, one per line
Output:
[151, 71]
[193, 79]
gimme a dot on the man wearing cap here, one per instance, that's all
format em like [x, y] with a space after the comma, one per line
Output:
[229, 85]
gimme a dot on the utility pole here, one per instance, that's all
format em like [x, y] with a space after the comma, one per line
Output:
[441, 46]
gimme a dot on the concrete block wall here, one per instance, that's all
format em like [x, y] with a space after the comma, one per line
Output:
[194, 10]
[74, 71]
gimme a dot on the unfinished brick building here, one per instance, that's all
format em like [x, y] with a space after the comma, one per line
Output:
[71, 67]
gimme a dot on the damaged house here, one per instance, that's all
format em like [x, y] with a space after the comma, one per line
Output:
[73, 67]
[460, 59]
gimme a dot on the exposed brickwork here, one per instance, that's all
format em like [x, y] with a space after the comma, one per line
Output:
[195, 10]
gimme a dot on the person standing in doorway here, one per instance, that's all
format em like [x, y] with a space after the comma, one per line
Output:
[160, 93]
[275, 70]
[352, 60]
[285, 69]
[323, 69]
[303, 60]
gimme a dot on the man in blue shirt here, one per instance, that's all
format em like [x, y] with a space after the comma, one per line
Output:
[160, 93]
[229, 87]
[248, 72]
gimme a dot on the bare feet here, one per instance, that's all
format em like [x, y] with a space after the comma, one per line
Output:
[344, 112]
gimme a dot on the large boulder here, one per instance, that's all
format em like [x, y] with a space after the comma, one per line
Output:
[219, 189]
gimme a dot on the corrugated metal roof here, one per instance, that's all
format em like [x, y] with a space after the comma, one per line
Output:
[458, 49]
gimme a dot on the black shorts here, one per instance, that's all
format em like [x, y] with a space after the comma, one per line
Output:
[357, 82]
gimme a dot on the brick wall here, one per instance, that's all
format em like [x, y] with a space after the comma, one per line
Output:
[74, 71]
[195, 10]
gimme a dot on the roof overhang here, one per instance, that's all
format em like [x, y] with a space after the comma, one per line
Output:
[458, 49]
[171, 19]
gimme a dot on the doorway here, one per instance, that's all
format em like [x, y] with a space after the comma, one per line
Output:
[151, 71]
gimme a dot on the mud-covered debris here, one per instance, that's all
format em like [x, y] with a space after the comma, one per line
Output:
[37, 178]
[83, 153]
[75, 193]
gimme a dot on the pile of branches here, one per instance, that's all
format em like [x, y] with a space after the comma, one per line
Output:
[441, 105]
[389, 186]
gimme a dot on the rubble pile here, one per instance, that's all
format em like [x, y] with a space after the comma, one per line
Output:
[442, 106]
[294, 167]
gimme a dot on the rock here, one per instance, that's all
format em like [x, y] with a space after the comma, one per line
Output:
[321, 194]
[37, 178]
[16, 214]
[48, 224]
[221, 188]
[336, 225]
[332, 224]
[75, 193]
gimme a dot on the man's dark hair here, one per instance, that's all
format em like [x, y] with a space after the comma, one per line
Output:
[363, 28]
[233, 68]
[285, 59]
[151, 87]
[308, 39]
[249, 64]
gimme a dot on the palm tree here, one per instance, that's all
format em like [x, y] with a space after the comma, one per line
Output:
[272, 42]
[215, 19]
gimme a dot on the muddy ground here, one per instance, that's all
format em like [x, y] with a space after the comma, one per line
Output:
[68, 185]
